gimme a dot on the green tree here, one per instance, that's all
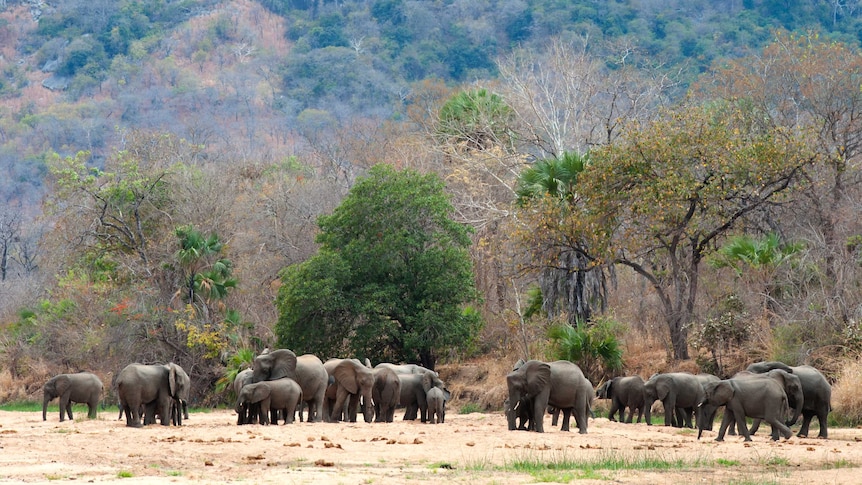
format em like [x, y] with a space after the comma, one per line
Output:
[392, 279]
[570, 282]
[594, 347]
[479, 119]
[659, 201]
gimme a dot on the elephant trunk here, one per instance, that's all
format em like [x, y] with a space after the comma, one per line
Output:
[511, 413]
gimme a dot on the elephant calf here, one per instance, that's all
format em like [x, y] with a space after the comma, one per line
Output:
[624, 392]
[436, 399]
[82, 387]
[272, 396]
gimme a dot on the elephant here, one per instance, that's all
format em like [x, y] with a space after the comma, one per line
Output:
[273, 396]
[406, 369]
[816, 391]
[792, 386]
[560, 384]
[624, 392]
[154, 386]
[246, 414]
[352, 383]
[274, 365]
[82, 387]
[522, 414]
[436, 399]
[385, 393]
[756, 398]
[679, 392]
[312, 377]
[307, 370]
[414, 389]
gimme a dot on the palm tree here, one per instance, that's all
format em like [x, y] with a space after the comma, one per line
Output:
[207, 277]
[572, 285]
[594, 348]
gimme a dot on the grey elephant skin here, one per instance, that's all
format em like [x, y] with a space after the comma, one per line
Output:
[624, 392]
[405, 369]
[414, 390]
[792, 386]
[283, 395]
[679, 392]
[307, 370]
[246, 414]
[83, 387]
[436, 399]
[385, 393]
[817, 393]
[560, 384]
[352, 384]
[154, 388]
[755, 398]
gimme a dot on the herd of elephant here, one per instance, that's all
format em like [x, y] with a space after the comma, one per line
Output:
[280, 384]
[277, 386]
[766, 391]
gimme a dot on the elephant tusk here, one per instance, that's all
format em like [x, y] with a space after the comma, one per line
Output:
[516, 406]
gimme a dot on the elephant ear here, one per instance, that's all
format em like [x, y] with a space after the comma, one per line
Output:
[172, 379]
[723, 392]
[518, 364]
[538, 376]
[609, 390]
[62, 384]
[427, 381]
[283, 364]
[345, 374]
[662, 388]
[260, 392]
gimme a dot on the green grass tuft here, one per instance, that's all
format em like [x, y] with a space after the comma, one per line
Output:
[124, 474]
[469, 408]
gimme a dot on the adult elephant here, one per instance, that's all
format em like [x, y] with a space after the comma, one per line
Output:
[816, 391]
[83, 387]
[283, 395]
[155, 386]
[792, 386]
[405, 369]
[385, 393]
[679, 392]
[312, 377]
[624, 392]
[414, 390]
[307, 370]
[560, 384]
[755, 398]
[352, 382]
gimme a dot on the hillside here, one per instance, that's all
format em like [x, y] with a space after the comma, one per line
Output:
[247, 120]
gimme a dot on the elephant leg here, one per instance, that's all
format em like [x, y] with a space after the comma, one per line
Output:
[741, 426]
[822, 414]
[614, 408]
[727, 420]
[755, 425]
[92, 408]
[555, 415]
[778, 428]
[669, 412]
[538, 415]
[806, 422]
[567, 415]
[65, 407]
[338, 407]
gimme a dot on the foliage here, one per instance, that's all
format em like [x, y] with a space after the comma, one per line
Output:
[391, 280]
[547, 195]
[721, 334]
[766, 252]
[477, 119]
[241, 360]
[658, 201]
[594, 346]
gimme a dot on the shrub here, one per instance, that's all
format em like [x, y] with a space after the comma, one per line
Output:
[847, 395]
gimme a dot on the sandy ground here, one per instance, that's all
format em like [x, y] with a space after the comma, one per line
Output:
[473, 448]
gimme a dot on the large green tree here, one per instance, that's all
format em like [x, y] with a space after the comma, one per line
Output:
[661, 199]
[392, 280]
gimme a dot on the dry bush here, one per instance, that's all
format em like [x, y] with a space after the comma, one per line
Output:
[846, 394]
[479, 381]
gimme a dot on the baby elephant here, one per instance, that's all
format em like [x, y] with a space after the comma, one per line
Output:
[273, 396]
[436, 399]
[82, 387]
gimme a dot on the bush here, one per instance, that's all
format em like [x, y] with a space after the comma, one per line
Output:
[847, 396]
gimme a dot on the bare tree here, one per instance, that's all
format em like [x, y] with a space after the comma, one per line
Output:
[10, 231]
